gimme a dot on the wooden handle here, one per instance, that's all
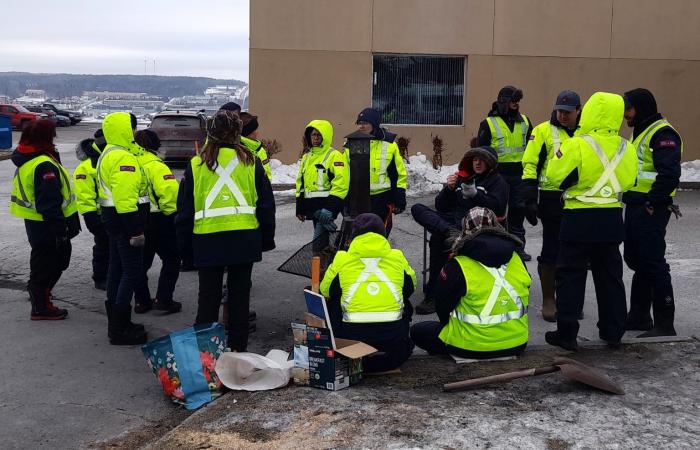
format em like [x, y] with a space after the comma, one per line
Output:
[499, 378]
[315, 273]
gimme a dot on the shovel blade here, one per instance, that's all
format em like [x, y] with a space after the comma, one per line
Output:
[577, 371]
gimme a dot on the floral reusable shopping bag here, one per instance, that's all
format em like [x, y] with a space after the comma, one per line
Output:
[184, 361]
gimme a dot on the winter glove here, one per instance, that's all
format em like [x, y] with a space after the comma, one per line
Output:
[531, 213]
[468, 190]
[138, 241]
[399, 201]
[93, 222]
[676, 210]
[526, 194]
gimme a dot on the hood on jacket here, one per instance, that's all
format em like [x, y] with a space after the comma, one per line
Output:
[325, 128]
[491, 250]
[117, 131]
[18, 158]
[87, 148]
[369, 245]
[602, 114]
[645, 108]
[488, 154]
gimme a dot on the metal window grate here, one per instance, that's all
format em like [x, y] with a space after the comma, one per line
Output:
[419, 90]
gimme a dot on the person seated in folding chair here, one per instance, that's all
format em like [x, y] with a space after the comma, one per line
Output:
[368, 288]
[481, 296]
[476, 183]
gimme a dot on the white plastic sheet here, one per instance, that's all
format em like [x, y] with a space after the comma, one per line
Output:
[253, 372]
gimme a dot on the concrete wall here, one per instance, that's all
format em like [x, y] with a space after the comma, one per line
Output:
[312, 59]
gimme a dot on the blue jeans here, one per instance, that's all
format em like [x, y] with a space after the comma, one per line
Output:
[125, 267]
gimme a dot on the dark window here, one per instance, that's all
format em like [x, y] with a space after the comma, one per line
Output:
[419, 90]
[176, 121]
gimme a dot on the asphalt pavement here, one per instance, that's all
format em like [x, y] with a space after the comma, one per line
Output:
[64, 386]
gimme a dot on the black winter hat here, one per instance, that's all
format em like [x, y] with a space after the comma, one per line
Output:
[643, 102]
[368, 223]
[231, 106]
[370, 115]
[250, 123]
[147, 139]
[509, 94]
[100, 140]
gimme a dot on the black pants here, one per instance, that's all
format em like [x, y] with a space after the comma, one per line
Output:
[549, 210]
[380, 207]
[391, 354]
[515, 218]
[47, 261]
[125, 266]
[238, 285]
[100, 254]
[438, 225]
[161, 240]
[425, 336]
[606, 265]
[645, 248]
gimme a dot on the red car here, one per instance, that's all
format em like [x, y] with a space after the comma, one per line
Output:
[20, 115]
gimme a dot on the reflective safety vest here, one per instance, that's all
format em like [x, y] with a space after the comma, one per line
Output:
[557, 136]
[372, 290]
[381, 155]
[510, 145]
[551, 137]
[225, 199]
[23, 197]
[493, 314]
[606, 190]
[646, 174]
[321, 188]
[106, 197]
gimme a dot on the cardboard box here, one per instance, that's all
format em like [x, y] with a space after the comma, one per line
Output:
[334, 368]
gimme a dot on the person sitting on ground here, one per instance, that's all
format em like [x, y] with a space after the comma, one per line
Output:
[482, 294]
[161, 238]
[368, 288]
[476, 183]
[249, 138]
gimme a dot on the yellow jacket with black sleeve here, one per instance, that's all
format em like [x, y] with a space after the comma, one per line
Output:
[258, 150]
[323, 179]
[123, 186]
[593, 169]
[545, 140]
[163, 186]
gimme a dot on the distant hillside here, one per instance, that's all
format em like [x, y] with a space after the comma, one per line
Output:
[59, 85]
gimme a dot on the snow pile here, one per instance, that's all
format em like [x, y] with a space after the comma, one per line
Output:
[690, 171]
[422, 178]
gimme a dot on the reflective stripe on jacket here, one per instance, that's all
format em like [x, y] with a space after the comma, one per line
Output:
[510, 145]
[23, 197]
[646, 172]
[225, 199]
[492, 315]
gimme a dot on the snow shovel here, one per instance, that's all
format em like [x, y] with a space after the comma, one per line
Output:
[570, 368]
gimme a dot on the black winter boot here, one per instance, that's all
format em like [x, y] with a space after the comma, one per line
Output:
[564, 337]
[664, 312]
[42, 307]
[121, 331]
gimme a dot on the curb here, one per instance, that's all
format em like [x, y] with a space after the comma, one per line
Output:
[690, 185]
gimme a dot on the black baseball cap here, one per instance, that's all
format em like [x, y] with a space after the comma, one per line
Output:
[567, 101]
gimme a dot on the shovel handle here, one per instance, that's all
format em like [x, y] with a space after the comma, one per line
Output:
[499, 378]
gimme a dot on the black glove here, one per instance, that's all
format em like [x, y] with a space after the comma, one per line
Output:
[93, 221]
[399, 201]
[526, 195]
[531, 213]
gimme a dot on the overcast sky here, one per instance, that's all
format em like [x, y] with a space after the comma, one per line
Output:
[196, 37]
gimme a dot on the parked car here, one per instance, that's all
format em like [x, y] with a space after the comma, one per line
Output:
[59, 120]
[181, 133]
[19, 115]
[74, 116]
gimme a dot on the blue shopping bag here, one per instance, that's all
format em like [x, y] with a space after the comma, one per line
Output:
[184, 362]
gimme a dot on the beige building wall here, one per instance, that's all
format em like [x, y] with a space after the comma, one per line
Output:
[312, 59]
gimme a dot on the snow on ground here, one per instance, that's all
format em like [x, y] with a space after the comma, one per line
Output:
[690, 171]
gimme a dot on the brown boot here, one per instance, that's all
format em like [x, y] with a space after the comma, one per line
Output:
[549, 304]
